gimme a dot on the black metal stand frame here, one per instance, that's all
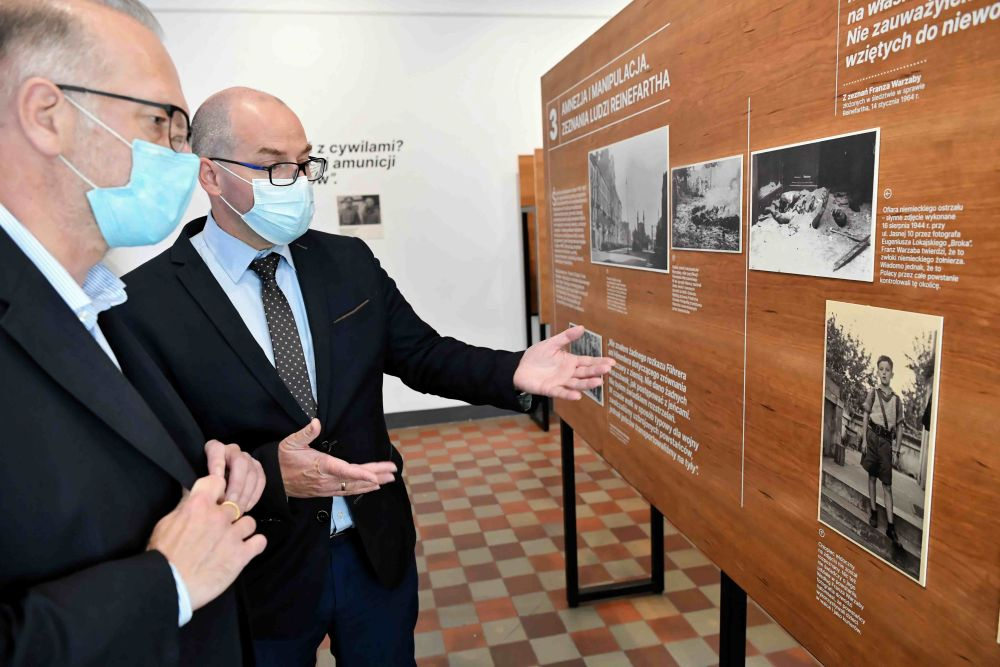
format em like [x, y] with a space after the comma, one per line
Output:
[733, 603]
[574, 594]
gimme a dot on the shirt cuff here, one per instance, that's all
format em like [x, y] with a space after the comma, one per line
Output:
[184, 611]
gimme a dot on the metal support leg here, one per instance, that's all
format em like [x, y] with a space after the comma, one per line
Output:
[732, 624]
[574, 594]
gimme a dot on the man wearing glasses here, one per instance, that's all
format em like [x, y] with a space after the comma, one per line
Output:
[121, 530]
[265, 326]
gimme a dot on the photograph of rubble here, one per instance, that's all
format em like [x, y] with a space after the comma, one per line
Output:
[706, 202]
[877, 436]
[589, 345]
[629, 191]
[812, 209]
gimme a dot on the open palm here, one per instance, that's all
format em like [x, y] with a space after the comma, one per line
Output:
[546, 369]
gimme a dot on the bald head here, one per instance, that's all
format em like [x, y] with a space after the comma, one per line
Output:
[246, 126]
[230, 116]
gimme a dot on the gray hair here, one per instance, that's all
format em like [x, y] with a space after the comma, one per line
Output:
[211, 133]
[136, 10]
[40, 38]
[211, 128]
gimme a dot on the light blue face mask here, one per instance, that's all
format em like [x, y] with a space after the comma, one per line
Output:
[280, 213]
[150, 205]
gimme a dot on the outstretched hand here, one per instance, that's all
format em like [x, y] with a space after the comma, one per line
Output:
[546, 369]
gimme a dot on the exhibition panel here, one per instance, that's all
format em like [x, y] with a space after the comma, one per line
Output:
[780, 220]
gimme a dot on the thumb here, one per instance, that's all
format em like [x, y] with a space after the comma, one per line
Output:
[301, 439]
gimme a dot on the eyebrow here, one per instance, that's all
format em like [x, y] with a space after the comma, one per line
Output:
[274, 152]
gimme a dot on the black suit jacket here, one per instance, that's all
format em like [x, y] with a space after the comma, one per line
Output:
[89, 467]
[361, 327]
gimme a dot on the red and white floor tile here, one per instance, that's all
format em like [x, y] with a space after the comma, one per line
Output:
[487, 499]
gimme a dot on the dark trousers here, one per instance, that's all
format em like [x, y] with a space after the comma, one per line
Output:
[368, 624]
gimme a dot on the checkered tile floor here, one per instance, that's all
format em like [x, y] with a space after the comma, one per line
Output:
[487, 499]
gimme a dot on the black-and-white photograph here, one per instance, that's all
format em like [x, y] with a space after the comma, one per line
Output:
[360, 215]
[707, 203]
[812, 209]
[629, 195]
[589, 345]
[879, 418]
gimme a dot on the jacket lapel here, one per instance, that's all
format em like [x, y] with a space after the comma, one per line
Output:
[196, 277]
[328, 294]
[41, 323]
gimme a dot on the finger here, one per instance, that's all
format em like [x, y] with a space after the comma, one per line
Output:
[258, 490]
[380, 467]
[566, 394]
[212, 487]
[592, 371]
[215, 451]
[386, 478]
[237, 479]
[566, 337]
[254, 472]
[253, 547]
[245, 527]
[301, 439]
[355, 489]
[347, 471]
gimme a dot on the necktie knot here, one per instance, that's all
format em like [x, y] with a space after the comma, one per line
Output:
[266, 266]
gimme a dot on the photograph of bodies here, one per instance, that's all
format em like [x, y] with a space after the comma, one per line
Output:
[706, 201]
[629, 192]
[811, 208]
[590, 345]
[879, 414]
[360, 215]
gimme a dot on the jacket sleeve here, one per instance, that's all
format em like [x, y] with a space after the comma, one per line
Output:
[110, 613]
[273, 503]
[435, 364]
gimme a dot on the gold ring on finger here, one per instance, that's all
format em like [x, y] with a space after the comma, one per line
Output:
[236, 507]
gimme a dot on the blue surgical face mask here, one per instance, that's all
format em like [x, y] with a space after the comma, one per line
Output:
[150, 205]
[280, 213]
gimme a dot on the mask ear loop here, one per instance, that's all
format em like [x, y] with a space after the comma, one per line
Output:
[99, 122]
[224, 200]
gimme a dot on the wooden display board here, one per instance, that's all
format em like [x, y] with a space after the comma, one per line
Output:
[526, 186]
[750, 204]
[543, 236]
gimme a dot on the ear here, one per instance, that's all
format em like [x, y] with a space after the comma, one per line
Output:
[208, 176]
[46, 118]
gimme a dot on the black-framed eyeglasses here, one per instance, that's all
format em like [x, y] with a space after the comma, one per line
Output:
[285, 173]
[176, 123]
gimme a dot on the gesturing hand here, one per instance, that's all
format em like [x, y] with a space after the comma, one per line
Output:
[244, 475]
[203, 542]
[546, 369]
[307, 473]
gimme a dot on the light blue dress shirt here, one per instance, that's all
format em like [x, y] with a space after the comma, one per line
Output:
[101, 291]
[229, 258]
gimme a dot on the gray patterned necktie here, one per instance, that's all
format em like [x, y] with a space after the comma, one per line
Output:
[289, 360]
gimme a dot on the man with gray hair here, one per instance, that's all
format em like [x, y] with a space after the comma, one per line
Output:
[121, 530]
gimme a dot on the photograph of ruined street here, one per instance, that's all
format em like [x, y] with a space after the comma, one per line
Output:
[706, 202]
[629, 192]
[879, 416]
[589, 345]
[812, 211]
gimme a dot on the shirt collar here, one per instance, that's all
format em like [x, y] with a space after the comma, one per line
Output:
[233, 255]
[101, 288]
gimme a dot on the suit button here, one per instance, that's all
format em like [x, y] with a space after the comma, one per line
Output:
[323, 516]
[324, 446]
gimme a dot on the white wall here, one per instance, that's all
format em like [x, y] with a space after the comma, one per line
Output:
[458, 82]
